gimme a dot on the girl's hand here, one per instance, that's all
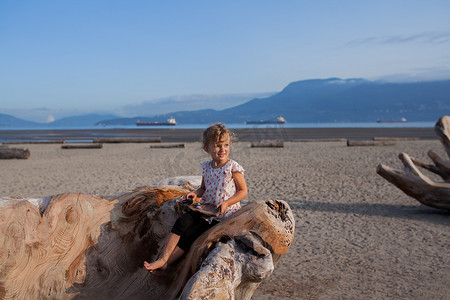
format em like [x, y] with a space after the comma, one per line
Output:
[222, 207]
[190, 195]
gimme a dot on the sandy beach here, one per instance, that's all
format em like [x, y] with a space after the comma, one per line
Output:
[357, 236]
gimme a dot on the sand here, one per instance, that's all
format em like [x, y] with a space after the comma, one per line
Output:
[357, 236]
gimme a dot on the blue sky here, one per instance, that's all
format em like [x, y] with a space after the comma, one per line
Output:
[61, 58]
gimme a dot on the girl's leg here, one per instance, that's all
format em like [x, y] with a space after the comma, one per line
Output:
[176, 254]
[193, 233]
[189, 227]
[161, 262]
[182, 223]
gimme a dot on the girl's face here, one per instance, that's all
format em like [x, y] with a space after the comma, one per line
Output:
[219, 150]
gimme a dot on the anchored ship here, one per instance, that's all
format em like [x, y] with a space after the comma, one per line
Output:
[277, 120]
[402, 120]
[170, 122]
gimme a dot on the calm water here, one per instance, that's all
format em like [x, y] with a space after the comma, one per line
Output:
[243, 126]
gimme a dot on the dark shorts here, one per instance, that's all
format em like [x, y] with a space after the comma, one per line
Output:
[189, 227]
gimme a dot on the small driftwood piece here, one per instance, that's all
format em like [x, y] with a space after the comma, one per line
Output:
[87, 247]
[169, 145]
[268, 144]
[14, 153]
[128, 140]
[416, 184]
[208, 210]
[365, 143]
[82, 146]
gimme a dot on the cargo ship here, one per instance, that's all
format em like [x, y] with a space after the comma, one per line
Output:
[277, 120]
[402, 120]
[170, 122]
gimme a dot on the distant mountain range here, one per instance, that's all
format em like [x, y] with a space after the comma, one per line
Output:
[316, 100]
[8, 121]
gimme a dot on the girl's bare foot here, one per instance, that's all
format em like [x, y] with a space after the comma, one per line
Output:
[158, 264]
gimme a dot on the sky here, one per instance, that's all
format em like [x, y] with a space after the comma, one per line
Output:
[60, 58]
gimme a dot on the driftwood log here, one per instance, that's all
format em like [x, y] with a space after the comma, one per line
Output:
[320, 140]
[82, 146]
[88, 247]
[168, 145]
[127, 140]
[14, 153]
[267, 144]
[381, 138]
[416, 184]
[353, 143]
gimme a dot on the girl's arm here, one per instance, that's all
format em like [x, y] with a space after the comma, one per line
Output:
[197, 193]
[241, 192]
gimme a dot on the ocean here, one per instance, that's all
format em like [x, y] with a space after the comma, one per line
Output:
[242, 126]
[193, 132]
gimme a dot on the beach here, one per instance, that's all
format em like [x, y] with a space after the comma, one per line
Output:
[356, 237]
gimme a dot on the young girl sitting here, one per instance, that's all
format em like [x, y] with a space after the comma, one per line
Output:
[223, 185]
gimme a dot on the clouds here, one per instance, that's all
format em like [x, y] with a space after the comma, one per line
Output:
[435, 38]
[418, 74]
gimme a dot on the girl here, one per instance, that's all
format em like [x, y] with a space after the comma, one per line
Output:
[223, 185]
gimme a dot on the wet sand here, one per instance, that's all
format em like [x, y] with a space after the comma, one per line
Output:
[194, 135]
[357, 236]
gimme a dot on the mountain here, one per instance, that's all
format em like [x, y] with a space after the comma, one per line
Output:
[8, 121]
[81, 121]
[333, 100]
[351, 100]
[307, 101]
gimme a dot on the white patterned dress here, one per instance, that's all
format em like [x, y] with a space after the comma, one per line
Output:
[219, 185]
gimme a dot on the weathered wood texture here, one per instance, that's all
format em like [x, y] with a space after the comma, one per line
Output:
[243, 259]
[82, 146]
[359, 143]
[416, 184]
[128, 140]
[442, 129]
[86, 247]
[14, 153]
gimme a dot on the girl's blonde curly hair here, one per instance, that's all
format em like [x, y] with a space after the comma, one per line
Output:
[215, 133]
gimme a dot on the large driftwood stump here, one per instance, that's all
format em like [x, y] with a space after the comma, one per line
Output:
[416, 184]
[88, 247]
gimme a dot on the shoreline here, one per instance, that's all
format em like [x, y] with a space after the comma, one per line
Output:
[194, 135]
